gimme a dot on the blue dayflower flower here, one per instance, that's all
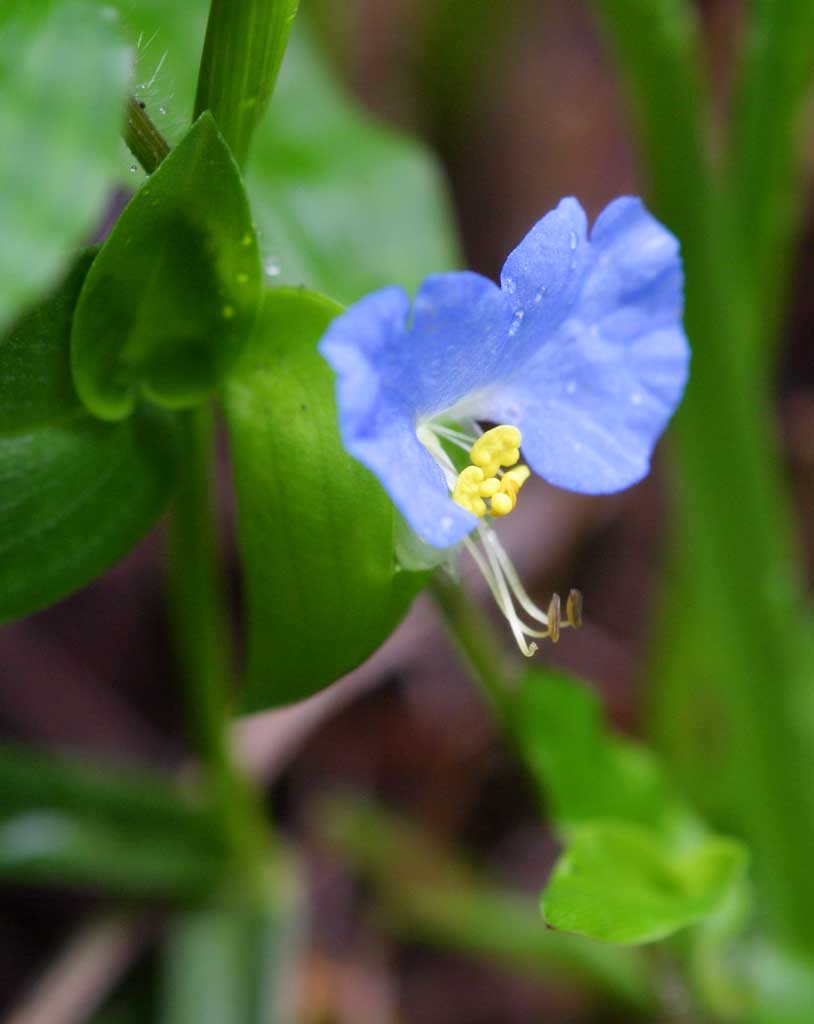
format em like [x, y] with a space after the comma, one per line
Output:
[579, 355]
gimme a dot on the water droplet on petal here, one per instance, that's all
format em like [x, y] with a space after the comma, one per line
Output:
[510, 285]
[515, 326]
[636, 398]
[538, 297]
[573, 241]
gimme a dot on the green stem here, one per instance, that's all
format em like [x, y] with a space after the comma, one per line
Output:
[143, 139]
[476, 639]
[203, 634]
[243, 49]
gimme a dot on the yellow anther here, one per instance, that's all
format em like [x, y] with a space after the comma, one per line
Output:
[512, 480]
[467, 490]
[498, 447]
[489, 487]
[502, 504]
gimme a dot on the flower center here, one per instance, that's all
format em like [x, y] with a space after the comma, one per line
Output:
[494, 476]
[487, 479]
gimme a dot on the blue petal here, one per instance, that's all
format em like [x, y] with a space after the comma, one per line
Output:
[378, 388]
[594, 398]
[541, 278]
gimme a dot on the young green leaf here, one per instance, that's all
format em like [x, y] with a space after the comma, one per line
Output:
[64, 71]
[172, 295]
[74, 497]
[620, 883]
[584, 769]
[35, 359]
[315, 528]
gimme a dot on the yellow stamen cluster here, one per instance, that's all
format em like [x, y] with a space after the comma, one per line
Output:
[486, 478]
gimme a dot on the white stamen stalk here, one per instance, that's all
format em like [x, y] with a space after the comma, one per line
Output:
[506, 606]
[518, 590]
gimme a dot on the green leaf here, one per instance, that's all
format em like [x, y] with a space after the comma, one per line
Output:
[63, 78]
[35, 359]
[74, 497]
[62, 820]
[620, 883]
[315, 528]
[35, 781]
[343, 204]
[51, 846]
[172, 295]
[235, 964]
[584, 769]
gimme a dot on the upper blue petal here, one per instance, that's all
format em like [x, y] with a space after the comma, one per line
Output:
[595, 396]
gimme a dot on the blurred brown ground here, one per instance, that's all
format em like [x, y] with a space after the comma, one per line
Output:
[538, 116]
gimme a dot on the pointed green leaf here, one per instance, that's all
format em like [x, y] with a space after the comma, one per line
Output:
[621, 883]
[74, 497]
[64, 70]
[583, 768]
[35, 359]
[172, 295]
[315, 528]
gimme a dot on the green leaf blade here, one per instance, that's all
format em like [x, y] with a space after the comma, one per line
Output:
[75, 497]
[172, 296]
[315, 529]
[64, 72]
[619, 883]
[35, 363]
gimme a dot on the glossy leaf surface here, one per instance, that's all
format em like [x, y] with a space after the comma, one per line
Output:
[75, 497]
[64, 70]
[315, 529]
[620, 883]
[172, 295]
[35, 359]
